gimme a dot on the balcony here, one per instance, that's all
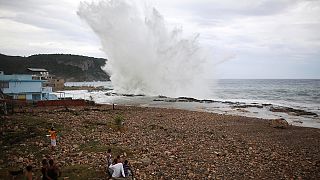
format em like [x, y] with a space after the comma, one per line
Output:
[46, 89]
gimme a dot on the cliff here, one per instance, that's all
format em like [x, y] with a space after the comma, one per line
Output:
[66, 66]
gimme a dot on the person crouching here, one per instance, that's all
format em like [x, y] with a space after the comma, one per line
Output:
[117, 169]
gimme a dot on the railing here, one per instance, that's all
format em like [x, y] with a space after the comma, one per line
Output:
[46, 89]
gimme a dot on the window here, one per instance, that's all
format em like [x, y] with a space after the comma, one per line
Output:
[4, 84]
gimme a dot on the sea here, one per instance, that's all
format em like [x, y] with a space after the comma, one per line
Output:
[260, 98]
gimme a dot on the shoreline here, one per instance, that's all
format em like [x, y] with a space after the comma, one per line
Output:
[295, 115]
[162, 143]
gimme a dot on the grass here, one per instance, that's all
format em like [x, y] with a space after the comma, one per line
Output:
[81, 171]
[15, 138]
[23, 129]
[96, 146]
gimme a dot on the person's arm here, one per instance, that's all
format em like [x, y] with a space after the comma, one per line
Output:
[29, 176]
[58, 171]
[131, 171]
[122, 170]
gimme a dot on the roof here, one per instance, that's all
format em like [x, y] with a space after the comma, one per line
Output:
[18, 80]
[37, 69]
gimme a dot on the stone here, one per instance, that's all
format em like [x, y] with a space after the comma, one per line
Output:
[279, 123]
[20, 159]
[146, 161]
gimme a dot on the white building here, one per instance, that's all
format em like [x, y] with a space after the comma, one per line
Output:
[21, 86]
[39, 73]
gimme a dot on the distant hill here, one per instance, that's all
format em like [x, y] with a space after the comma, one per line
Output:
[66, 66]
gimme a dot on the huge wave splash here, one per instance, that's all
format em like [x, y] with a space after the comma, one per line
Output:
[145, 55]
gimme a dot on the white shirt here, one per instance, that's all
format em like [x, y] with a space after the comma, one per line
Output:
[117, 170]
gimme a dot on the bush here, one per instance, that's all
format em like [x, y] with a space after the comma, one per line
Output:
[119, 120]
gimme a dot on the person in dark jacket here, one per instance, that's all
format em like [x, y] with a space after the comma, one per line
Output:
[53, 170]
[44, 169]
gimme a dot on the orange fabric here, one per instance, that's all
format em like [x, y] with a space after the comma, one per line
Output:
[53, 134]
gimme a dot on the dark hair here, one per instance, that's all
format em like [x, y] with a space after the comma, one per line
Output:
[109, 151]
[44, 162]
[126, 162]
[51, 162]
[115, 161]
[52, 129]
[29, 168]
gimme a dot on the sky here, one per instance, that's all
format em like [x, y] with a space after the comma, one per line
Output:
[249, 39]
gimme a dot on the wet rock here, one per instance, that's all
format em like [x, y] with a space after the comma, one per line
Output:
[279, 123]
[248, 106]
[297, 112]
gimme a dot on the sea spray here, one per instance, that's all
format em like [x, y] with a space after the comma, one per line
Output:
[144, 55]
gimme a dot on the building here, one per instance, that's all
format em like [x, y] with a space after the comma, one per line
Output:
[39, 73]
[56, 84]
[24, 87]
[51, 81]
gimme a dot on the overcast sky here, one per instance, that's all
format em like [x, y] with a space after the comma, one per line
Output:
[254, 38]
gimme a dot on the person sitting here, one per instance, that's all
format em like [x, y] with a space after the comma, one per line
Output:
[44, 170]
[28, 173]
[109, 162]
[127, 169]
[120, 159]
[117, 169]
[109, 157]
[53, 170]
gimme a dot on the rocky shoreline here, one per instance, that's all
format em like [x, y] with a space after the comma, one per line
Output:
[159, 143]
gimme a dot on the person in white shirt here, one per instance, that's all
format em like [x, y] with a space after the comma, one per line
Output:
[117, 169]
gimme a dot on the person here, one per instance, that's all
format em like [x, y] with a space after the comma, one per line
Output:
[120, 159]
[127, 169]
[109, 157]
[53, 137]
[28, 173]
[53, 170]
[117, 169]
[109, 162]
[44, 170]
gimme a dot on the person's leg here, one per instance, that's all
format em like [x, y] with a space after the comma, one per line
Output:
[110, 172]
[53, 144]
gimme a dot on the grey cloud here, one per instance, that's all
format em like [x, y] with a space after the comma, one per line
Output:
[56, 18]
[216, 11]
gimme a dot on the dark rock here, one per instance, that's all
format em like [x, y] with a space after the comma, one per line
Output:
[297, 112]
[247, 106]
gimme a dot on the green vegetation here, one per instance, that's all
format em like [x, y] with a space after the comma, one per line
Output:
[96, 146]
[81, 171]
[119, 120]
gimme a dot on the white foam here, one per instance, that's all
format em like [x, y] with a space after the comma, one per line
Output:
[144, 55]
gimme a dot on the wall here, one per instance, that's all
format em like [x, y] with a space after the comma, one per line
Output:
[67, 102]
[15, 77]
[23, 86]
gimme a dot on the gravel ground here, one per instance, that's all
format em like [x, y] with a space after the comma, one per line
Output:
[159, 144]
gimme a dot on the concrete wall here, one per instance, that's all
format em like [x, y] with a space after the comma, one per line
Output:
[23, 87]
[67, 102]
[15, 77]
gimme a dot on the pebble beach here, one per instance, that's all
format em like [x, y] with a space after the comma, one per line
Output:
[159, 143]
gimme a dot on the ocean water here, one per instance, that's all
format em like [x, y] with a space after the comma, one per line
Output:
[303, 91]
[300, 94]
